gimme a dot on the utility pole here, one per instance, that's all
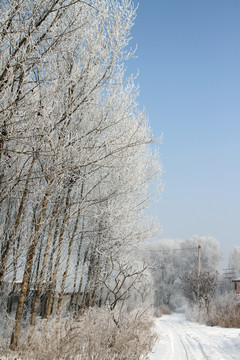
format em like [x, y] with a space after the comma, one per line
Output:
[199, 269]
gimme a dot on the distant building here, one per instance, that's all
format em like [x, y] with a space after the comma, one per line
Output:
[236, 285]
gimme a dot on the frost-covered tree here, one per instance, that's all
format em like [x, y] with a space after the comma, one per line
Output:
[210, 252]
[199, 289]
[162, 259]
[234, 261]
[75, 164]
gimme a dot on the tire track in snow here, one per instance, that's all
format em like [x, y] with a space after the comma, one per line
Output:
[183, 340]
[193, 348]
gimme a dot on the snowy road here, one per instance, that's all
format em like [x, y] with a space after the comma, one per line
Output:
[180, 339]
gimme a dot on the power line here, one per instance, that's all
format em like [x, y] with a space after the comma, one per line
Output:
[193, 248]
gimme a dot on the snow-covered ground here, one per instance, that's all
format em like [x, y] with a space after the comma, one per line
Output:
[180, 339]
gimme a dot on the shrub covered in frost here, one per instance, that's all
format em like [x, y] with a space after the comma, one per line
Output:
[98, 334]
[223, 311]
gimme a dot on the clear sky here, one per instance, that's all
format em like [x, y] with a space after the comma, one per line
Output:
[189, 63]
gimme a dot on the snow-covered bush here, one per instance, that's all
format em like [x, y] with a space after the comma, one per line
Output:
[223, 311]
[99, 334]
[162, 310]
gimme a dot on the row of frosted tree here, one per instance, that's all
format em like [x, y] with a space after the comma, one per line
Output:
[76, 165]
[183, 272]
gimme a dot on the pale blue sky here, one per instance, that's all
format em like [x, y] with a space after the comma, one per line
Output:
[189, 63]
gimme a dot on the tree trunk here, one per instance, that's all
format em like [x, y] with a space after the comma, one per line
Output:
[68, 262]
[77, 266]
[41, 278]
[57, 263]
[27, 271]
[81, 281]
[17, 221]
